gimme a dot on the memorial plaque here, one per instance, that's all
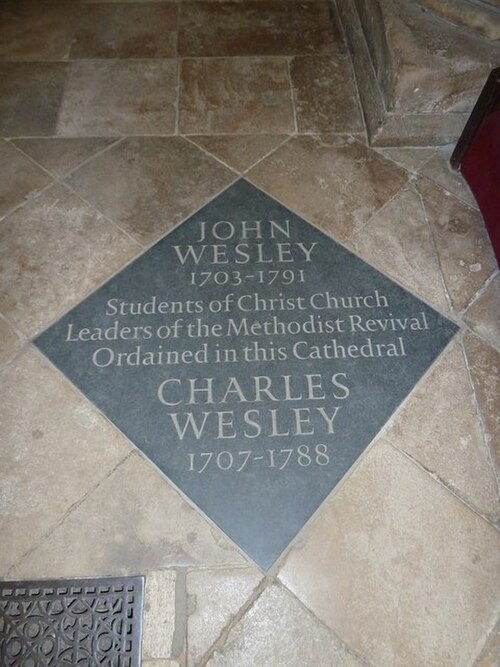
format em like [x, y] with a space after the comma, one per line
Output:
[252, 359]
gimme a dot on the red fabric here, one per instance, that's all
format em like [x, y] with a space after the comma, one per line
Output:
[481, 169]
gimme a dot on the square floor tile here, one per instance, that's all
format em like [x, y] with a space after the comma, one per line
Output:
[252, 359]
[126, 31]
[148, 184]
[325, 94]
[37, 31]
[78, 621]
[31, 95]
[244, 95]
[398, 567]
[53, 251]
[113, 98]
[257, 28]
[336, 182]
[55, 449]
[20, 177]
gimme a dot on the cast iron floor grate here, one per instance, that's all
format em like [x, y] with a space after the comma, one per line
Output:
[91, 622]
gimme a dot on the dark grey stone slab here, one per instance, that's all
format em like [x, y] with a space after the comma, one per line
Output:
[71, 622]
[253, 362]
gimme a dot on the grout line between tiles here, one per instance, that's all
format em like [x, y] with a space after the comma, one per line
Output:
[440, 481]
[68, 512]
[293, 96]
[484, 431]
[436, 251]
[234, 620]
[361, 659]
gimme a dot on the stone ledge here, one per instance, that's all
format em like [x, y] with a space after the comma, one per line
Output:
[418, 77]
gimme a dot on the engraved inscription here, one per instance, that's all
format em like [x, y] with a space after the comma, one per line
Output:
[252, 358]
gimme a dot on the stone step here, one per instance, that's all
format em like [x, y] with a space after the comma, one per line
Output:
[418, 71]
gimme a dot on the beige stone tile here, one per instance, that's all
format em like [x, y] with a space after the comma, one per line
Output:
[53, 252]
[37, 30]
[31, 95]
[399, 567]
[335, 182]
[61, 155]
[159, 614]
[325, 95]
[235, 96]
[134, 522]
[398, 240]
[439, 427]
[10, 343]
[277, 630]
[257, 28]
[156, 663]
[20, 177]
[126, 31]
[409, 158]
[463, 245]
[484, 367]
[240, 152]
[55, 448]
[214, 597]
[490, 655]
[113, 98]
[438, 169]
[484, 314]
[147, 185]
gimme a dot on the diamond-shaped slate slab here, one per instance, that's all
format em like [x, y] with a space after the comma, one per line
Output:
[71, 622]
[252, 358]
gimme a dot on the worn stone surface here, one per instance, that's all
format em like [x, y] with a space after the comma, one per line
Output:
[277, 630]
[214, 597]
[262, 27]
[126, 31]
[53, 251]
[398, 241]
[133, 522]
[113, 98]
[456, 453]
[325, 94]
[438, 169]
[463, 245]
[55, 448]
[484, 367]
[400, 543]
[20, 177]
[34, 30]
[159, 614]
[423, 65]
[484, 314]
[147, 185]
[10, 342]
[240, 152]
[416, 86]
[409, 158]
[230, 96]
[335, 182]
[31, 95]
[478, 17]
[62, 155]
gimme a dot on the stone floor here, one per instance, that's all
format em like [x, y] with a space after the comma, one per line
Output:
[121, 119]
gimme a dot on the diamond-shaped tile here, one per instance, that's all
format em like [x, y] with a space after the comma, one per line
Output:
[252, 359]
